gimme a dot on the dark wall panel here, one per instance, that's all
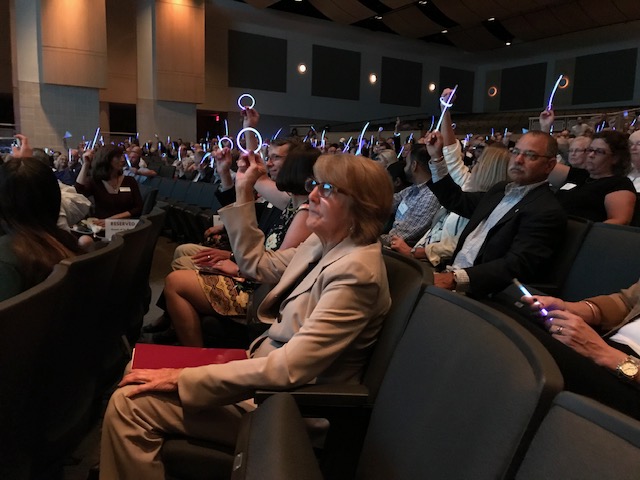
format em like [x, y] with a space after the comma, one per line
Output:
[401, 82]
[523, 88]
[605, 77]
[256, 61]
[335, 73]
[122, 117]
[449, 77]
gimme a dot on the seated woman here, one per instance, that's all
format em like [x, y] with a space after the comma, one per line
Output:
[115, 195]
[600, 192]
[225, 292]
[325, 314]
[31, 242]
[603, 331]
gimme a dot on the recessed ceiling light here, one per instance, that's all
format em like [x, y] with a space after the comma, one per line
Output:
[492, 19]
[432, 87]
[444, 31]
[302, 68]
[423, 2]
[378, 17]
[508, 44]
[373, 78]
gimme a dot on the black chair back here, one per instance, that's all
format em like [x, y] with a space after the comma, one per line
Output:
[580, 438]
[464, 392]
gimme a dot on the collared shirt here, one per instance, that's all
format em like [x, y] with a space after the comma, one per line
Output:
[634, 176]
[466, 257]
[415, 207]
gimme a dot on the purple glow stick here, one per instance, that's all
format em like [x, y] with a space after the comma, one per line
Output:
[553, 92]
[277, 133]
[447, 104]
[95, 138]
[527, 293]
[359, 151]
[253, 101]
[256, 132]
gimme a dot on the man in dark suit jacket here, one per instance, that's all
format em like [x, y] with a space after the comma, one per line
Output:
[514, 228]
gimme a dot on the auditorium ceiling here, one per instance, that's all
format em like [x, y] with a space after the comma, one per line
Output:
[467, 25]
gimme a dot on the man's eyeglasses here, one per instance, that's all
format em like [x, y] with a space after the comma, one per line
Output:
[528, 154]
[597, 151]
[577, 151]
[325, 189]
[634, 144]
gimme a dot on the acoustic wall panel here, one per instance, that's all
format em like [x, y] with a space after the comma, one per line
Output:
[605, 77]
[464, 79]
[335, 73]
[401, 82]
[257, 61]
[523, 88]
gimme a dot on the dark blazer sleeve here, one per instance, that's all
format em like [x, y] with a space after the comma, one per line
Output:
[520, 245]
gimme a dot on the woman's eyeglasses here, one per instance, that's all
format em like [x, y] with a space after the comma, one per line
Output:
[597, 151]
[325, 189]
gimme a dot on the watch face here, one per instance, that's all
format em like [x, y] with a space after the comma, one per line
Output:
[630, 369]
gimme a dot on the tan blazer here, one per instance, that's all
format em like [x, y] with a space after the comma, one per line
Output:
[618, 309]
[321, 331]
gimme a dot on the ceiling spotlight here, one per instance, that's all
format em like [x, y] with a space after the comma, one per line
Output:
[373, 78]
[507, 43]
[432, 87]
[444, 31]
[378, 17]
[302, 68]
[423, 2]
[492, 19]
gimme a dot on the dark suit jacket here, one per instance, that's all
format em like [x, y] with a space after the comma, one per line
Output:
[519, 245]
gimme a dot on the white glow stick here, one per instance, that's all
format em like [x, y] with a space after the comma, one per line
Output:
[359, 151]
[208, 154]
[505, 132]
[126, 157]
[95, 138]
[277, 133]
[493, 132]
[553, 92]
[242, 107]
[256, 132]
[137, 135]
[527, 293]
[433, 119]
[401, 150]
[322, 138]
[225, 138]
[305, 139]
[410, 138]
[447, 104]
[226, 127]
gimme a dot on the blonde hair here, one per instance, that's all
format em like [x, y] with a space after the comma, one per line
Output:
[490, 169]
[369, 188]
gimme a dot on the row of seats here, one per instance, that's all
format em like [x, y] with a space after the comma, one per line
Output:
[189, 206]
[62, 348]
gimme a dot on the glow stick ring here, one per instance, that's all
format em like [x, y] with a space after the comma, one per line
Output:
[446, 103]
[359, 151]
[257, 133]
[224, 138]
[226, 127]
[242, 107]
[553, 92]
[277, 133]
[444, 110]
[95, 138]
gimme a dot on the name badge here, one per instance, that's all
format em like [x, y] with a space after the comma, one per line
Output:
[402, 208]
[568, 186]
[125, 189]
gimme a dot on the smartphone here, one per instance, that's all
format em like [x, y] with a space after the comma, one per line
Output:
[527, 293]
[16, 143]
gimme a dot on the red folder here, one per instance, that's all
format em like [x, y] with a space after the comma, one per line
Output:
[147, 355]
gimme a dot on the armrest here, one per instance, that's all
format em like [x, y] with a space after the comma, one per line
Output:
[326, 395]
[273, 443]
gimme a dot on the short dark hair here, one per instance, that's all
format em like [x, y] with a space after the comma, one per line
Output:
[420, 155]
[552, 145]
[618, 142]
[296, 168]
[102, 162]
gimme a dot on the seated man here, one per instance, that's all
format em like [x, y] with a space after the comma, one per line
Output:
[414, 206]
[513, 229]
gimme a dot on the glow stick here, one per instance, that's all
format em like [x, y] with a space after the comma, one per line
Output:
[226, 127]
[401, 150]
[277, 133]
[137, 135]
[305, 139]
[553, 92]
[634, 121]
[322, 139]
[249, 129]
[95, 138]
[446, 106]
[208, 154]
[168, 140]
[207, 135]
[433, 119]
[410, 138]
[505, 132]
[126, 157]
[129, 139]
[493, 132]
[359, 151]
[101, 140]
[527, 293]
[225, 138]
[346, 147]
[242, 107]
[525, 130]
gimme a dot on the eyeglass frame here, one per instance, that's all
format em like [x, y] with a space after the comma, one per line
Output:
[528, 154]
[325, 189]
[597, 151]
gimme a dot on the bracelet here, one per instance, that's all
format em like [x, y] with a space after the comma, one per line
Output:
[593, 309]
[439, 159]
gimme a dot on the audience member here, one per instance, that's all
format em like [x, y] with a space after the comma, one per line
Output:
[325, 314]
[115, 195]
[634, 147]
[30, 243]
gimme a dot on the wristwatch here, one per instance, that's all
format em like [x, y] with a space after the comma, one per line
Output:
[628, 368]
